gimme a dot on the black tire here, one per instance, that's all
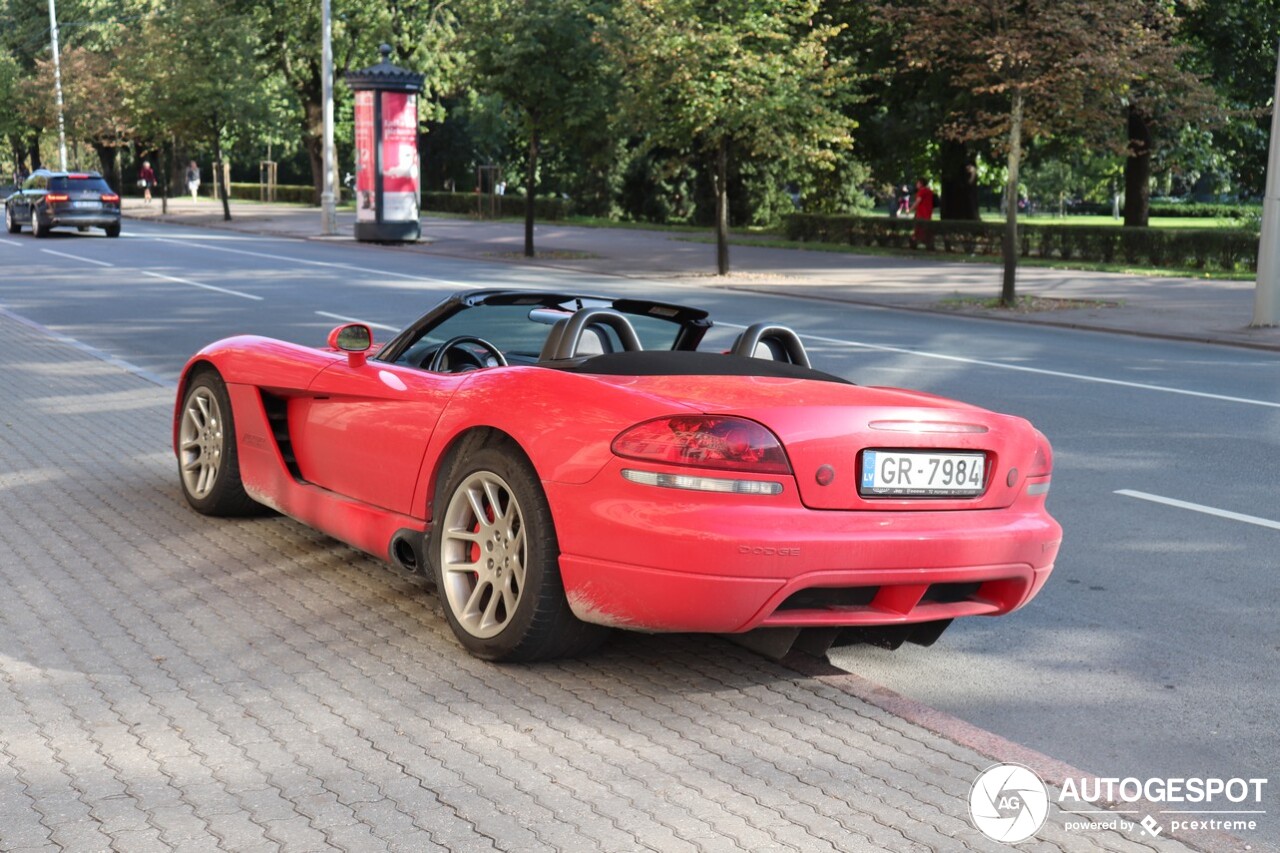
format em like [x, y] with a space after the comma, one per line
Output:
[499, 577]
[12, 224]
[113, 230]
[208, 461]
[37, 229]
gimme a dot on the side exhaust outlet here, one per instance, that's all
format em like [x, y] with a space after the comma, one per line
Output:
[406, 551]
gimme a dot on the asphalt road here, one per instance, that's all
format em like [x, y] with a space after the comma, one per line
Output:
[1152, 652]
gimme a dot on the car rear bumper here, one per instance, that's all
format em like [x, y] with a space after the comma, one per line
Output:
[95, 219]
[728, 564]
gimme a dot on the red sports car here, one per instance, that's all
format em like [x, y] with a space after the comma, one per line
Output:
[561, 465]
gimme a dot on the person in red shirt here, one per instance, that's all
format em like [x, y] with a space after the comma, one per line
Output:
[923, 208]
[146, 179]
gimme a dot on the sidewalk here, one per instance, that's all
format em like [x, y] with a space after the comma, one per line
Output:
[1177, 308]
[175, 682]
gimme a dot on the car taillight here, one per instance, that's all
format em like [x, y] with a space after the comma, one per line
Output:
[705, 441]
[110, 197]
[1042, 464]
[54, 198]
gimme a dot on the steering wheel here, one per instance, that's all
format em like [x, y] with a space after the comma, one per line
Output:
[437, 359]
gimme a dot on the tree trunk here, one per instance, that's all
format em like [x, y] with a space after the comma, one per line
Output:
[959, 185]
[313, 142]
[33, 150]
[1009, 287]
[1137, 171]
[219, 178]
[722, 207]
[107, 157]
[165, 173]
[530, 175]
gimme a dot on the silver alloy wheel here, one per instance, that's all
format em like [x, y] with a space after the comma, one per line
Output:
[482, 554]
[201, 442]
[35, 221]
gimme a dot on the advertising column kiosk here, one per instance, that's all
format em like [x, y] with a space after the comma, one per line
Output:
[387, 173]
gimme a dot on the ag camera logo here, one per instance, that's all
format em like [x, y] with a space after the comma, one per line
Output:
[1008, 803]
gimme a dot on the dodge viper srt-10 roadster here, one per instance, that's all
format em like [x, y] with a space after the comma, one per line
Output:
[561, 465]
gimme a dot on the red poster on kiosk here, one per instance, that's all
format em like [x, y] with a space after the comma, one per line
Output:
[400, 174]
[365, 186]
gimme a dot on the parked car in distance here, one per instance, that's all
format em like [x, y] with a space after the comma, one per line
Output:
[48, 200]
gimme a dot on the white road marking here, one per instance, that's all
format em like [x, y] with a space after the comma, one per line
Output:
[329, 264]
[77, 258]
[10, 243]
[342, 319]
[1207, 510]
[1079, 377]
[203, 286]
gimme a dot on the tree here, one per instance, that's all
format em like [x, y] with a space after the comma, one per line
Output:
[222, 95]
[749, 79]
[1161, 99]
[540, 58]
[12, 127]
[93, 94]
[419, 31]
[1234, 46]
[1031, 68]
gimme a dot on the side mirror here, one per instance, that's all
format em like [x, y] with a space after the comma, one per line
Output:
[354, 339]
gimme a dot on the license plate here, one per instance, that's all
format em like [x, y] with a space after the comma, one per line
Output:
[913, 473]
[83, 205]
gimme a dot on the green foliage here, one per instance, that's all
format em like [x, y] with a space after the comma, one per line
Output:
[1208, 250]
[753, 74]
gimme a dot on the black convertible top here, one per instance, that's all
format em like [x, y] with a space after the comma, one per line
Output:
[676, 363]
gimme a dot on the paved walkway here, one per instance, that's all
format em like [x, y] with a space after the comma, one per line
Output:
[1180, 308]
[174, 682]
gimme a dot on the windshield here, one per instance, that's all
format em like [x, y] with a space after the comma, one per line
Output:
[520, 330]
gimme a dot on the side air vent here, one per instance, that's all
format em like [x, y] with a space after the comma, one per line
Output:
[277, 409]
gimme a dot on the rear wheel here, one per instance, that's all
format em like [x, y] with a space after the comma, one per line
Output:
[10, 222]
[208, 463]
[496, 561]
[113, 230]
[37, 230]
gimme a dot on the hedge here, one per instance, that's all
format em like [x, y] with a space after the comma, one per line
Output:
[1165, 210]
[496, 206]
[471, 204]
[1176, 248]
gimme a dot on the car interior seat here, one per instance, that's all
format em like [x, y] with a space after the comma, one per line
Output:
[587, 333]
[772, 342]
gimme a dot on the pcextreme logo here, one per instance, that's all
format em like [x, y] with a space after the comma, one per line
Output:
[1008, 803]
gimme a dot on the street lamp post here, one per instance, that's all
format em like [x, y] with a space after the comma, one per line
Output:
[57, 84]
[1266, 293]
[328, 211]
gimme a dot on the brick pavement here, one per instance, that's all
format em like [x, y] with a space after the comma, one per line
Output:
[173, 682]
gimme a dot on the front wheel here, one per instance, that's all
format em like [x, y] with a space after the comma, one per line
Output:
[10, 221]
[496, 561]
[208, 463]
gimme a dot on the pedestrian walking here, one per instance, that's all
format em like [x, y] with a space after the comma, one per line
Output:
[146, 180]
[193, 179]
[923, 209]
